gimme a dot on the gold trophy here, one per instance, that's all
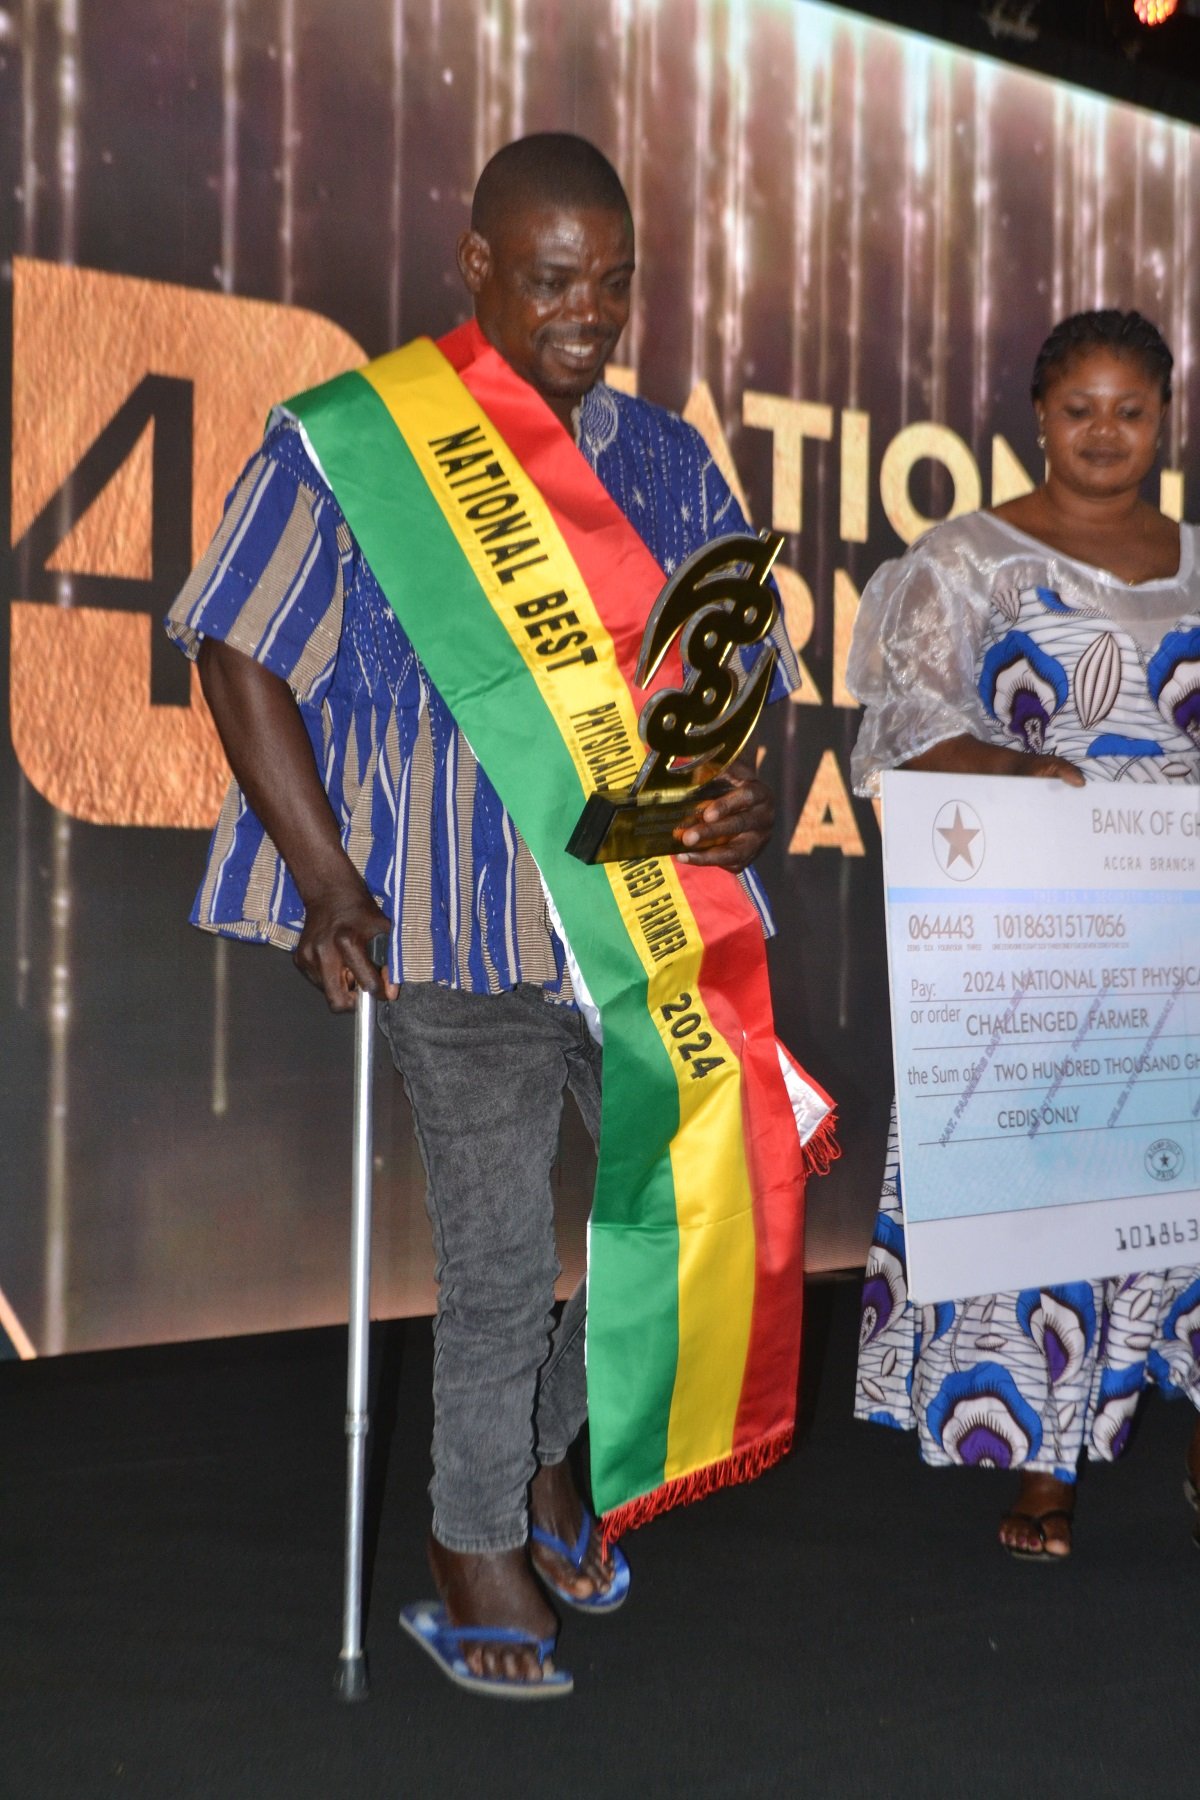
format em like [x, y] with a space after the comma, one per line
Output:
[717, 601]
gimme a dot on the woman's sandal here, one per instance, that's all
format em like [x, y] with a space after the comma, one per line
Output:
[1038, 1522]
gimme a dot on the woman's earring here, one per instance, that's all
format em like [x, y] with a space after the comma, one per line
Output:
[1041, 440]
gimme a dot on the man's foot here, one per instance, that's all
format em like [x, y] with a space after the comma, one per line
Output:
[1039, 1525]
[555, 1508]
[495, 1588]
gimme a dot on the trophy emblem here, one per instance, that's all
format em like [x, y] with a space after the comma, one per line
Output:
[716, 602]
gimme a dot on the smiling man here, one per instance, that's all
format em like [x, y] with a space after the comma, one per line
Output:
[360, 808]
[551, 282]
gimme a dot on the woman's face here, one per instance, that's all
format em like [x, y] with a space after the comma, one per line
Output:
[1101, 416]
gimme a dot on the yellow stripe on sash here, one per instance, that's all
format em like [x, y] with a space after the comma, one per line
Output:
[428, 405]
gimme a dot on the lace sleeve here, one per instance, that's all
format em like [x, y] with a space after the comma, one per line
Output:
[914, 655]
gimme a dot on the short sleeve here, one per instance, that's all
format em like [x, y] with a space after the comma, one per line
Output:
[914, 655]
[272, 581]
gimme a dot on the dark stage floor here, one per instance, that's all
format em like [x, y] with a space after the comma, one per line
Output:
[170, 1608]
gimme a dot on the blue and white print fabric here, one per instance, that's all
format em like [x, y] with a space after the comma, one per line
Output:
[1026, 1379]
[980, 629]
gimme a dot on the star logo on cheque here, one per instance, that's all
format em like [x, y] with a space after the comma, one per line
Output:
[1164, 1159]
[958, 840]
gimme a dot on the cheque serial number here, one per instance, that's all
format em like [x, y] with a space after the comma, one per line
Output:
[1058, 927]
[1158, 1235]
[923, 926]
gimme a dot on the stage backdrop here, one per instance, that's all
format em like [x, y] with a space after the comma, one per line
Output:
[850, 243]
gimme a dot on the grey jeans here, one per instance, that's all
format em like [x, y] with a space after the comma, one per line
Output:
[485, 1075]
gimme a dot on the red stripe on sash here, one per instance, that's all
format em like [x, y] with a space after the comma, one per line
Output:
[624, 580]
[608, 552]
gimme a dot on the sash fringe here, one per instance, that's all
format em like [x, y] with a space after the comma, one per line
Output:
[741, 1465]
[822, 1147]
[821, 1150]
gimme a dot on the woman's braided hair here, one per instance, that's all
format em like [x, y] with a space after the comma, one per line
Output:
[1124, 333]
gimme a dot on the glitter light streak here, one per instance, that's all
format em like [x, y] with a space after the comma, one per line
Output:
[982, 265]
[230, 111]
[1058, 302]
[68, 124]
[226, 275]
[289, 143]
[521, 47]
[700, 157]
[396, 206]
[633, 37]
[934, 391]
[27, 237]
[915, 202]
[1183, 277]
[30, 177]
[857, 197]
[733, 203]
[56, 1278]
[825, 322]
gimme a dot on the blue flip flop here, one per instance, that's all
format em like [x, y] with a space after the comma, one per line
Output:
[613, 1595]
[427, 1624]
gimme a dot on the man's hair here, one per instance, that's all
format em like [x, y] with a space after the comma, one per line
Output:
[549, 168]
[1124, 333]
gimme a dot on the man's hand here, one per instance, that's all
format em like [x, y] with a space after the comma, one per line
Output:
[334, 948]
[729, 831]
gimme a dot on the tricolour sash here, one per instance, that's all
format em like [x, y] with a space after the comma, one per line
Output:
[525, 591]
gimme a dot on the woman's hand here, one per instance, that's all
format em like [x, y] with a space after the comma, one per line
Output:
[967, 755]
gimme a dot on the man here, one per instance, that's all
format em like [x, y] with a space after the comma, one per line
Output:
[362, 810]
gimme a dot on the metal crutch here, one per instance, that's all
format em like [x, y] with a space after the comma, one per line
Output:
[352, 1681]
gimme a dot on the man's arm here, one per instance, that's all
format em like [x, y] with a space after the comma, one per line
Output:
[271, 757]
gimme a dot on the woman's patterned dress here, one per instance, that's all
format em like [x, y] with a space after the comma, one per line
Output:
[982, 629]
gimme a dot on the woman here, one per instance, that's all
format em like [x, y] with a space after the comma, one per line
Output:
[1056, 636]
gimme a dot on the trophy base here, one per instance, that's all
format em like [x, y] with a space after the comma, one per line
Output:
[621, 827]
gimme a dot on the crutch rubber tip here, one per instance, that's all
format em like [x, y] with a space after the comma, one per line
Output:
[352, 1681]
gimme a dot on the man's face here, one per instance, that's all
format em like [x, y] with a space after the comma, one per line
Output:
[551, 294]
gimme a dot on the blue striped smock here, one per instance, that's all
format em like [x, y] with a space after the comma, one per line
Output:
[284, 581]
